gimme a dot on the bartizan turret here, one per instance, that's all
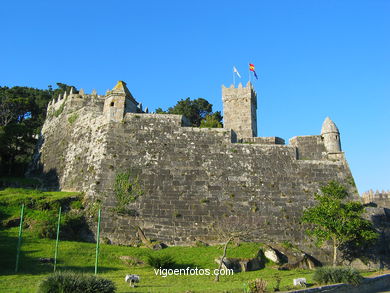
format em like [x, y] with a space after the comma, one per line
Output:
[118, 102]
[331, 136]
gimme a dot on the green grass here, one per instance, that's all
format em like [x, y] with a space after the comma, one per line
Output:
[80, 256]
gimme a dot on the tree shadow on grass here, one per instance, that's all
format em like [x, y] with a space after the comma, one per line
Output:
[33, 265]
[87, 269]
[27, 264]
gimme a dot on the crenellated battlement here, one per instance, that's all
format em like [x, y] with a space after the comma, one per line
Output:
[381, 198]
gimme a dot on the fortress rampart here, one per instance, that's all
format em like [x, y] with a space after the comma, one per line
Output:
[190, 177]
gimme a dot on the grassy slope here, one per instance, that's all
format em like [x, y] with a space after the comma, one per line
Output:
[80, 256]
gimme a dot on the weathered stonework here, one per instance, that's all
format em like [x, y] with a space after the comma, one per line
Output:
[191, 177]
[239, 110]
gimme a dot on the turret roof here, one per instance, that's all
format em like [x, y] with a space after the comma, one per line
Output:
[329, 127]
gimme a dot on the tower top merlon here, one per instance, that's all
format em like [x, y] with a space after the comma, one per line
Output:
[233, 92]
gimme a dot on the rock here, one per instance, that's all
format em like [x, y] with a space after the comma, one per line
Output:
[46, 260]
[159, 246]
[273, 255]
[131, 260]
[358, 264]
[306, 262]
[241, 264]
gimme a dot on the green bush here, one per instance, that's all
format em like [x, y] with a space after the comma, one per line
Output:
[163, 261]
[332, 275]
[256, 286]
[69, 282]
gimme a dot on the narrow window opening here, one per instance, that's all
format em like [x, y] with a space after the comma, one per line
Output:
[112, 104]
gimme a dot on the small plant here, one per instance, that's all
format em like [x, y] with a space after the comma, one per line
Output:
[69, 282]
[163, 261]
[176, 214]
[278, 279]
[332, 275]
[204, 200]
[254, 207]
[72, 118]
[256, 286]
[59, 111]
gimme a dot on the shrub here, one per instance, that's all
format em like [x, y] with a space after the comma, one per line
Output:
[163, 261]
[69, 282]
[332, 275]
[256, 286]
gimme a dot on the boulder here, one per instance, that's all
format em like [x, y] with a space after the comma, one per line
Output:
[306, 262]
[358, 264]
[241, 264]
[159, 246]
[274, 255]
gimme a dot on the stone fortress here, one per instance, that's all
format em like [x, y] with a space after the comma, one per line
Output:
[190, 177]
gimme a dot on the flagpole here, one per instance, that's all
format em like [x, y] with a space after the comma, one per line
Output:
[249, 73]
[234, 79]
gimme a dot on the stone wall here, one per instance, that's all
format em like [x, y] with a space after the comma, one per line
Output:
[191, 177]
[382, 199]
[264, 140]
[310, 147]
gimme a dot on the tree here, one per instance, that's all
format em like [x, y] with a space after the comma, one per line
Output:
[195, 110]
[337, 220]
[22, 114]
[229, 228]
[212, 121]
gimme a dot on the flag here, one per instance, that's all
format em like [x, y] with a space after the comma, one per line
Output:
[236, 71]
[252, 68]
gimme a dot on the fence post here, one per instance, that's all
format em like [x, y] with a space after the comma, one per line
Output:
[19, 239]
[58, 234]
[97, 244]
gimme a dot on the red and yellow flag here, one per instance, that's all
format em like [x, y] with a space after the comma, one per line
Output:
[251, 67]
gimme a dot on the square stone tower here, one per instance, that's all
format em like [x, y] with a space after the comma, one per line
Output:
[239, 110]
[118, 102]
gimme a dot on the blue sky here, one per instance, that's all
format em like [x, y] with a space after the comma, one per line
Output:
[314, 58]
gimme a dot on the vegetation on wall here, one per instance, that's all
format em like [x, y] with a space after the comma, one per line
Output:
[127, 189]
